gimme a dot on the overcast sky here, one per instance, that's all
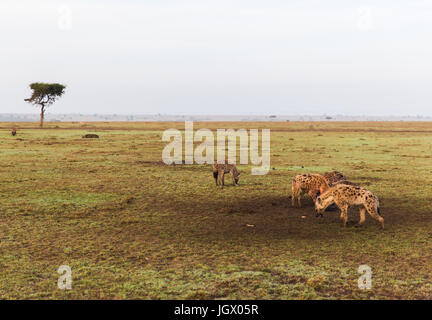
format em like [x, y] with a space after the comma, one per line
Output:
[220, 57]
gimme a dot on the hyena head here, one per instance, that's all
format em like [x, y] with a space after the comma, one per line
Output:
[319, 208]
[321, 203]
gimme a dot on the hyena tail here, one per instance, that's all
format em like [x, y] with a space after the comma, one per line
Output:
[379, 211]
[215, 175]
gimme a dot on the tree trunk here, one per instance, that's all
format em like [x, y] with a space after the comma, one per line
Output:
[42, 116]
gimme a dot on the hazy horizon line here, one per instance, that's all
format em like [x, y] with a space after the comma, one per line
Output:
[219, 115]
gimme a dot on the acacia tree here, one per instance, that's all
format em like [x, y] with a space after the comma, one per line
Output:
[44, 95]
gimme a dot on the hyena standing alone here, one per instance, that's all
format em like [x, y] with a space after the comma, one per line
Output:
[219, 171]
[313, 184]
[345, 196]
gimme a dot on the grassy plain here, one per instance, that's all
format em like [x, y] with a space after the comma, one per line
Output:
[131, 227]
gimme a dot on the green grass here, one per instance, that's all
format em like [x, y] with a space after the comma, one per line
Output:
[131, 227]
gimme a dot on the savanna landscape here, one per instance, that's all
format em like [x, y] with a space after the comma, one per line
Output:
[132, 227]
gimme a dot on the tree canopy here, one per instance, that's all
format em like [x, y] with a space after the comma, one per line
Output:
[45, 94]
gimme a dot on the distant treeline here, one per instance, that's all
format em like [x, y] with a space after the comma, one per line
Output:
[16, 117]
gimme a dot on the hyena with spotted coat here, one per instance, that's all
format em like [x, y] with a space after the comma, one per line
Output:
[344, 196]
[312, 184]
[219, 171]
[334, 177]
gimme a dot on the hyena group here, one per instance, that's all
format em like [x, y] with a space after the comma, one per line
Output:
[329, 188]
[334, 187]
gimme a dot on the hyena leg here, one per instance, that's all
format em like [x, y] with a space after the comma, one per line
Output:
[232, 177]
[313, 195]
[220, 178]
[362, 216]
[215, 176]
[294, 194]
[344, 215]
[373, 211]
[300, 194]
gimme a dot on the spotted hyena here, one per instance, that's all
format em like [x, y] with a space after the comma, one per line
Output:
[219, 171]
[333, 177]
[312, 184]
[345, 196]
